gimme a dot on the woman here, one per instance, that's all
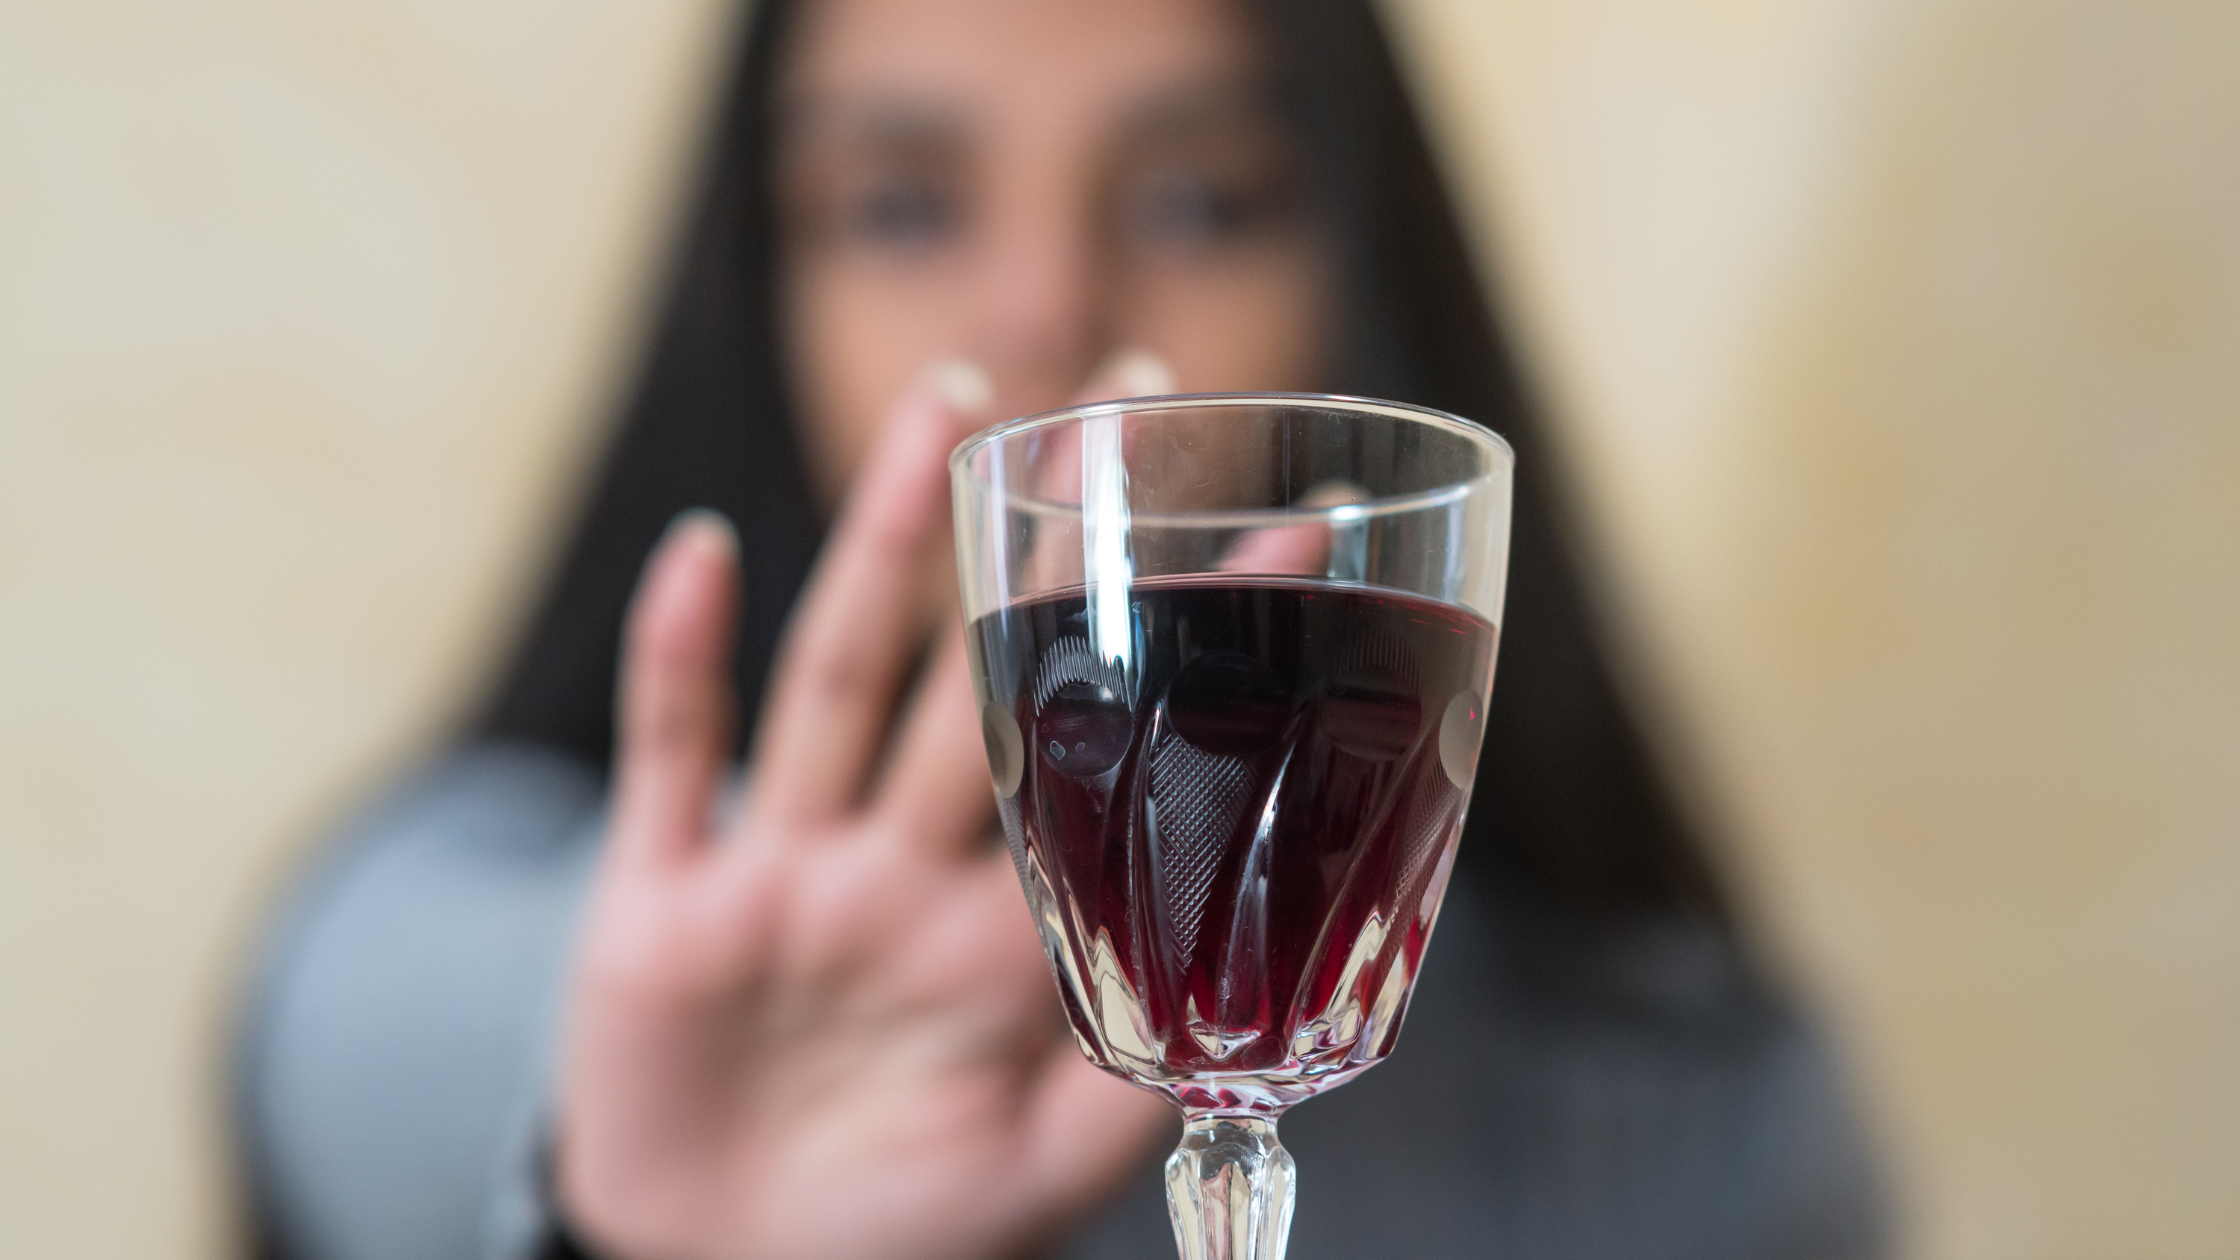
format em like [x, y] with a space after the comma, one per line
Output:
[819, 1025]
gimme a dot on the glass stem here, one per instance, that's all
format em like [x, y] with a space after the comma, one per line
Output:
[1229, 1188]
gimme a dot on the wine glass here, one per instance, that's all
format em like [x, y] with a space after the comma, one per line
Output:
[1232, 654]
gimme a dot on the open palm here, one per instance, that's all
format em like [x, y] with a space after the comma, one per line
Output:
[821, 1026]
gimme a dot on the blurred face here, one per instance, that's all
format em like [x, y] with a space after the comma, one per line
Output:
[1034, 185]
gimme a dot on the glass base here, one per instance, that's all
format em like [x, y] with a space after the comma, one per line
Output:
[1230, 1187]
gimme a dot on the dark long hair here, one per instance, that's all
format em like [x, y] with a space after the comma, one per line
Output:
[1571, 817]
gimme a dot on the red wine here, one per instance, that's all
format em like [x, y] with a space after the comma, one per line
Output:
[1234, 828]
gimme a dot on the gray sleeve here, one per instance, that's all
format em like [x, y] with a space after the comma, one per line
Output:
[1825, 1198]
[396, 1047]
[1658, 1116]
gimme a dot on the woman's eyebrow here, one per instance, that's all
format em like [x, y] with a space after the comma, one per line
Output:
[1193, 109]
[884, 124]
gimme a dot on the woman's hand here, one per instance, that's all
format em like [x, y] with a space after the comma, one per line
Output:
[821, 1027]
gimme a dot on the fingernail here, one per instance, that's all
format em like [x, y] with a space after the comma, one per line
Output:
[706, 527]
[963, 385]
[1136, 373]
[1333, 493]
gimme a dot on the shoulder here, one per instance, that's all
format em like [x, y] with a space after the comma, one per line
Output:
[399, 1018]
[480, 800]
[1566, 1089]
[1694, 1098]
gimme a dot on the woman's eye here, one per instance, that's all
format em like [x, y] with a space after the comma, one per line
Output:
[902, 214]
[1190, 211]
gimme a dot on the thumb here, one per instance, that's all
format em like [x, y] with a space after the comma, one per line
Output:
[1089, 1129]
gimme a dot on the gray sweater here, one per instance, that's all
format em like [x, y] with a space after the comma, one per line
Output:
[395, 1061]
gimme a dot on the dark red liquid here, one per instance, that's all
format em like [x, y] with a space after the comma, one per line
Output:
[1234, 829]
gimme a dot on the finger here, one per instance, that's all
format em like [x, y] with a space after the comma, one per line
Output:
[1127, 374]
[937, 791]
[1294, 549]
[675, 708]
[853, 633]
[1130, 373]
[1090, 1129]
[1056, 558]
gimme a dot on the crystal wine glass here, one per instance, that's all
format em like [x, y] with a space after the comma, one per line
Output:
[1232, 654]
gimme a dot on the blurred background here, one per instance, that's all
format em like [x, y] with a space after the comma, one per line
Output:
[1895, 348]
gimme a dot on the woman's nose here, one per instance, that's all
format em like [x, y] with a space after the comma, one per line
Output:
[1045, 301]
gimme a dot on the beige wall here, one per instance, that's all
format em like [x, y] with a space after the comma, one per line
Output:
[303, 313]
[1898, 347]
[1902, 346]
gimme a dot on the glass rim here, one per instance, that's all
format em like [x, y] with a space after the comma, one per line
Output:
[1503, 462]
